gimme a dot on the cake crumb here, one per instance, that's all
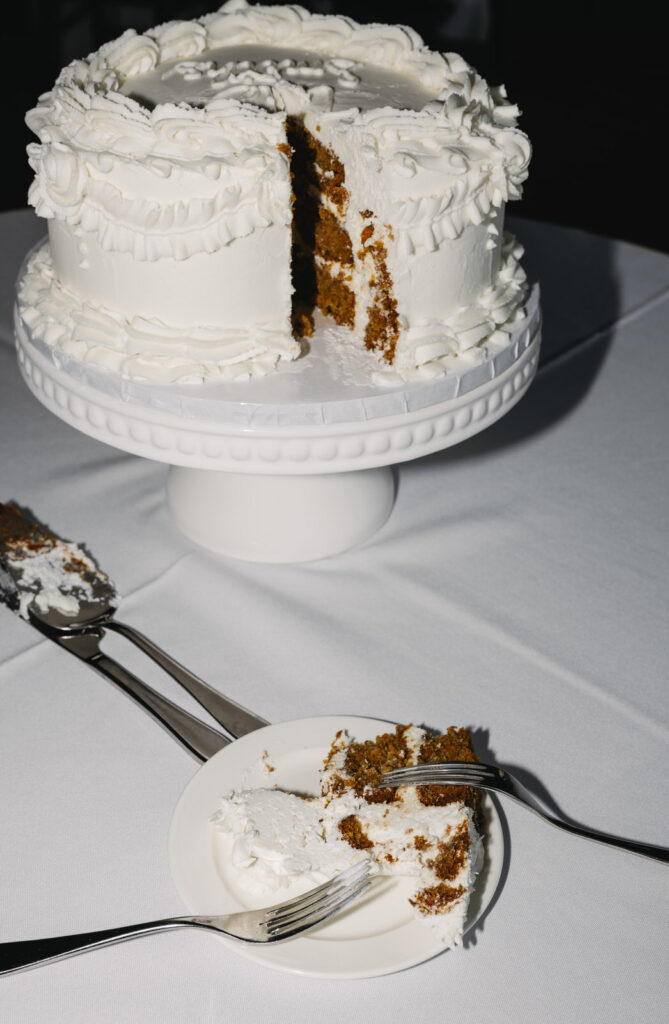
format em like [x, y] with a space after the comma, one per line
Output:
[452, 855]
[435, 898]
[354, 834]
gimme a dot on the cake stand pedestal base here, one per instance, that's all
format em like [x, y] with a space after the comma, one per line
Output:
[294, 466]
[279, 519]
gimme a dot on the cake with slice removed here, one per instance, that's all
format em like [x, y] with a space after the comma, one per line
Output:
[211, 184]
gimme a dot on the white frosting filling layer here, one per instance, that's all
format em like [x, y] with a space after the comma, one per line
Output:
[279, 837]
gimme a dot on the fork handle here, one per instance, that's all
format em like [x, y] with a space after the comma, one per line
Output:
[234, 718]
[23, 956]
[660, 853]
[198, 737]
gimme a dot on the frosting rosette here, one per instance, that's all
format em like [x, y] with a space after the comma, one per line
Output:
[464, 130]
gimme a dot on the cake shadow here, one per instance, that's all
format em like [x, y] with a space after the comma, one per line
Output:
[580, 301]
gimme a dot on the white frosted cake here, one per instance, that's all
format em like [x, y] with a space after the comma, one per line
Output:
[209, 184]
[428, 834]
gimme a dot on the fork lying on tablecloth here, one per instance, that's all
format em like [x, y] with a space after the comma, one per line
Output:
[59, 589]
[271, 924]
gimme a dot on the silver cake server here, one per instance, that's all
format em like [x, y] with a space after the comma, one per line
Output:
[58, 587]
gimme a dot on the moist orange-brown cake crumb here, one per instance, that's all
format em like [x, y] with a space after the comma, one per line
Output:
[329, 172]
[436, 898]
[18, 532]
[383, 323]
[453, 745]
[365, 763]
[332, 242]
[435, 842]
[354, 834]
[452, 855]
[335, 298]
[320, 244]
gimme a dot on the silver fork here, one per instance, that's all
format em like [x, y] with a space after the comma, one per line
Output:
[488, 776]
[272, 924]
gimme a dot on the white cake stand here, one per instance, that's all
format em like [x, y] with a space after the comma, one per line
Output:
[294, 466]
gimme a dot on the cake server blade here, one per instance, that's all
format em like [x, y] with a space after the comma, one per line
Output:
[59, 588]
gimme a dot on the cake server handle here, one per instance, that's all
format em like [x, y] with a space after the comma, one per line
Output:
[234, 718]
[197, 737]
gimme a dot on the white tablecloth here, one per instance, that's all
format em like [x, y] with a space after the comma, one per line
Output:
[519, 587]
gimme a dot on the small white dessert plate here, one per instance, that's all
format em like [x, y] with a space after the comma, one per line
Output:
[377, 935]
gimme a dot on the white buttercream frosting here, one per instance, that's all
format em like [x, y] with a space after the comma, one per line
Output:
[89, 123]
[49, 574]
[278, 837]
[163, 168]
[141, 348]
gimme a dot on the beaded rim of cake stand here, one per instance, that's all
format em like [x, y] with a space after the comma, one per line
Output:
[273, 448]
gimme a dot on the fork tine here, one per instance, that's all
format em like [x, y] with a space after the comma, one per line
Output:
[323, 911]
[460, 773]
[312, 901]
[446, 773]
[454, 767]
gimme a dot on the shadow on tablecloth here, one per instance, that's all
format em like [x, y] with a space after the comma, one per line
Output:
[580, 300]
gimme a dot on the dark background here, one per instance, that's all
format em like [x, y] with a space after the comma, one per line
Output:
[591, 84]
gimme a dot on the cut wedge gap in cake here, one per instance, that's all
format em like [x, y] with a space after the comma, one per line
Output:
[339, 257]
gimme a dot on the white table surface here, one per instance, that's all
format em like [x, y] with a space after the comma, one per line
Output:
[519, 587]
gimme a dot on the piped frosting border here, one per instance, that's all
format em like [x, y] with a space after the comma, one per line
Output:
[148, 350]
[86, 126]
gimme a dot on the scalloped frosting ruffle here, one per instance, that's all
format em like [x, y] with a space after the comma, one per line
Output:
[143, 349]
[432, 348]
[88, 129]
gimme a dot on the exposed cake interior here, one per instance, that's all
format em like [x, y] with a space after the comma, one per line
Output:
[356, 768]
[327, 263]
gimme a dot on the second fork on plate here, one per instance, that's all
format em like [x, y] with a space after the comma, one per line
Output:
[271, 924]
[498, 780]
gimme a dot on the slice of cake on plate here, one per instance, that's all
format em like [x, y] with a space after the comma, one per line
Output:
[429, 834]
